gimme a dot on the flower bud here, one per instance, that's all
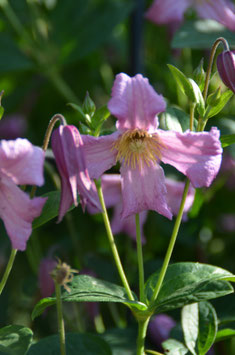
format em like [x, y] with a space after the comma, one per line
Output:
[88, 105]
[226, 68]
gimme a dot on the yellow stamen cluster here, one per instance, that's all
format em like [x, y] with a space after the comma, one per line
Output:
[138, 147]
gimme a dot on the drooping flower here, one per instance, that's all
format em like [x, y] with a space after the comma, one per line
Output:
[111, 186]
[170, 11]
[21, 163]
[67, 146]
[140, 146]
[226, 68]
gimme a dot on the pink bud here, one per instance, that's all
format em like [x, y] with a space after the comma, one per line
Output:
[226, 68]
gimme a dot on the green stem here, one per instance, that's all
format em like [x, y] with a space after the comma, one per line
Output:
[60, 318]
[208, 73]
[172, 243]
[192, 109]
[8, 270]
[140, 257]
[142, 329]
[112, 242]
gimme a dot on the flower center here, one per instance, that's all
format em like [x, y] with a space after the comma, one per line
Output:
[138, 147]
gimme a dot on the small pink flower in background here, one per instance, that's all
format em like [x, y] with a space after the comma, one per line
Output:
[46, 283]
[111, 186]
[140, 147]
[226, 68]
[12, 126]
[21, 163]
[160, 327]
[67, 146]
[171, 11]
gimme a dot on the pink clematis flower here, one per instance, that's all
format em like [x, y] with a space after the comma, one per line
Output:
[20, 163]
[170, 11]
[111, 186]
[67, 146]
[140, 146]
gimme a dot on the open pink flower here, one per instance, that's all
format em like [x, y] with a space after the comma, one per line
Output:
[171, 11]
[111, 186]
[140, 146]
[21, 163]
[67, 146]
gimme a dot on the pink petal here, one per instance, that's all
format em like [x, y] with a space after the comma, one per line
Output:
[22, 161]
[99, 152]
[17, 212]
[222, 11]
[144, 190]
[197, 155]
[135, 103]
[174, 196]
[167, 11]
[67, 146]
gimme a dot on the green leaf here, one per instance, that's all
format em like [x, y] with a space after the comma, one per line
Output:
[224, 334]
[174, 347]
[99, 118]
[207, 327]
[15, 339]
[187, 283]
[201, 34]
[183, 82]
[85, 288]
[50, 209]
[87, 344]
[190, 321]
[81, 115]
[174, 119]
[121, 341]
[198, 98]
[227, 140]
[222, 101]
[153, 352]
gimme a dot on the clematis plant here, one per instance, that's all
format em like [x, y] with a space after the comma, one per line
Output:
[170, 11]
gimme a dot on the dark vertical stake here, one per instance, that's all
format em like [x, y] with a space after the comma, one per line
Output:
[136, 40]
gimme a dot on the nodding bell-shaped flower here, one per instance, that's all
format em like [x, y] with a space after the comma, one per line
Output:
[21, 163]
[226, 68]
[67, 146]
[139, 145]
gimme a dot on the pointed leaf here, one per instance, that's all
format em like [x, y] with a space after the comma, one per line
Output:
[187, 283]
[85, 288]
[222, 101]
[15, 339]
[174, 119]
[87, 344]
[190, 322]
[198, 98]
[207, 327]
[183, 82]
[227, 140]
[50, 209]
[99, 118]
[174, 347]
[224, 334]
